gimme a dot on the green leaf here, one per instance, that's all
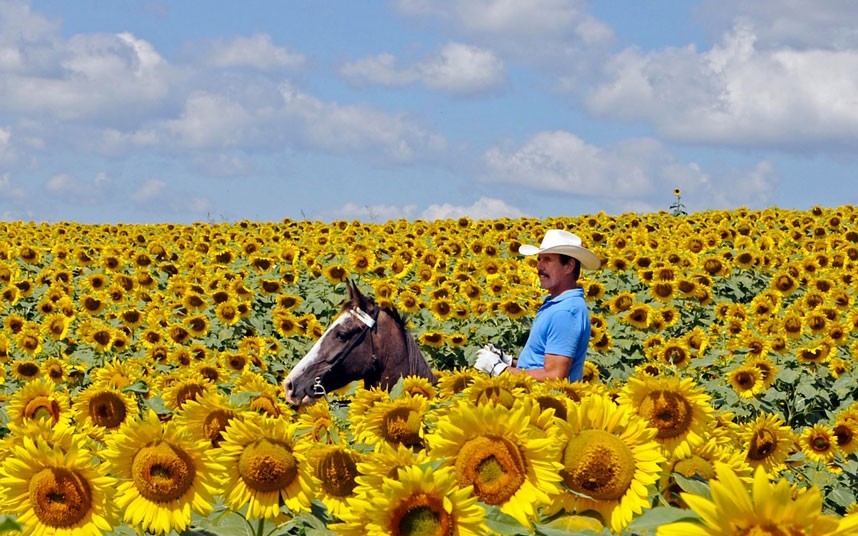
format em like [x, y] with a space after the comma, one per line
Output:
[692, 485]
[503, 524]
[9, 525]
[662, 515]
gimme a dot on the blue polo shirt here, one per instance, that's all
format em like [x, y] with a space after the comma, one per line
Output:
[562, 327]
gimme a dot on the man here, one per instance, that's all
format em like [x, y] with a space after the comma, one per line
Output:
[557, 344]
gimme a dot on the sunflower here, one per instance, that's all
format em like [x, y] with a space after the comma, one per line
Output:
[639, 316]
[178, 390]
[118, 374]
[163, 474]
[509, 462]
[679, 409]
[385, 460]
[419, 386]
[418, 500]
[102, 408]
[434, 339]
[25, 369]
[453, 382]
[746, 380]
[396, 421]
[56, 490]
[767, 441]
[818, 443]
[846, 434]
[700, 463]
[621, 302]
[610, 458]
[259, 395]
[316, 422]
[335, 468]
[40, 399]
[265, 467]
[207, 416]
[56, 326]
[768, 509]
[497, 390]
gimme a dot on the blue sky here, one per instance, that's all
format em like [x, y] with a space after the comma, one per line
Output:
[145, 112]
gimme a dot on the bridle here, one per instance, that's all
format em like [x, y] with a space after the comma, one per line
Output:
[370, 323]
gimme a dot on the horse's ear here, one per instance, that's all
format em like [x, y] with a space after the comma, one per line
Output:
[355, 295]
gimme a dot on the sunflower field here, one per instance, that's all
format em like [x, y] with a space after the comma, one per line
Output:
[140, 371]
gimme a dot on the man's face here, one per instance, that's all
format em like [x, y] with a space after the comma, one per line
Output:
[554, 276]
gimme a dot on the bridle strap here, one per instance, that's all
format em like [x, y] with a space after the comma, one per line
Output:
[370, 323]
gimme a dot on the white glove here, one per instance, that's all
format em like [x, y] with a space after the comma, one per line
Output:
[490, 361]
[506, 358]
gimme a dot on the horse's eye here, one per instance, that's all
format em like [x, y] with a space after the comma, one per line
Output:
[342, 335]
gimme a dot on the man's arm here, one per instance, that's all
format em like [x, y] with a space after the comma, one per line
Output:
[556, 367]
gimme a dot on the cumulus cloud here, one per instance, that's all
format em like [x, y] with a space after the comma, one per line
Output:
[9, 190]
[156, 195]
[457, 68]
[737, 94]
[483, 208]
[70, 189]
[257, 51]
[553, 34]
[631, 175]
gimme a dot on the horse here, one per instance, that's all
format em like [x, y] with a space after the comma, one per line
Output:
[365, 341]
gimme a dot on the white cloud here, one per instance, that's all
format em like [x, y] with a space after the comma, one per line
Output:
[549, 33]
[257, 51]
[827, 24]
[9, 190]
[632, 175]
[336, 128]
[72, 190]
[482, 209]
[155, 195]
[457, 68]
[736, 94]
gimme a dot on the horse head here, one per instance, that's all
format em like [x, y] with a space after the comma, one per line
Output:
[364, 342]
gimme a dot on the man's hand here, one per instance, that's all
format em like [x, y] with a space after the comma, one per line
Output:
[491, 360]
[506, 358]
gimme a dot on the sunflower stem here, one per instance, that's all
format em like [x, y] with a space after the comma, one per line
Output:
[260, 528]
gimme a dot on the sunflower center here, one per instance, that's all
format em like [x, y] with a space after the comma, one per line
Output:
[107, 410]
[337, 471]
[264, 405]
[598, 464]
[267, 466]
[215, 423]
[162, 472]
[763, 444]
[42, 406]
[668, 412]
[493, 465]
[422, 515]
[59, 497]
[189, 391]
[402, 425]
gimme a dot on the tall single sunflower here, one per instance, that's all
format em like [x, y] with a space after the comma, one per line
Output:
[265, 467]
[609, 459]
[163, 474]
[677, 407]
[509, 462]
[57, 490]
[768, 509]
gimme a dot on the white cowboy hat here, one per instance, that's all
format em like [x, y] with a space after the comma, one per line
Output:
[563, 243]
